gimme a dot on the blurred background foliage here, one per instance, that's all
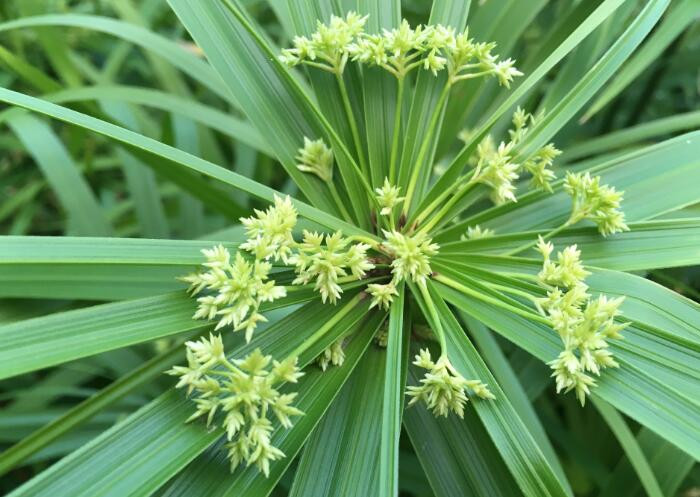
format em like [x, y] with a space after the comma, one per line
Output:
[57, 179]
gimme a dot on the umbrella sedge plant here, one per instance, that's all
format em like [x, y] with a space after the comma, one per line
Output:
[406, 234]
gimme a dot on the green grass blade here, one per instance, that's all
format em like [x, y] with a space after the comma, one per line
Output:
[630, 136]
[85, 214]
[508, 380]
[458, 455]
[188, 63]
[272, 102]
[379, 91]
[345, 443]
[85, 410]
[677, 20]
[601, 72]
[46, 341]
[634, 453]
[203, 114]
[648, 245]
[671, 466]
[392, 403]
[171, 154]
[426, 95]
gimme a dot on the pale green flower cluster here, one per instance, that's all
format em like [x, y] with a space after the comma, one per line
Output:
[245, 393]
[326, 260]
[410, 261]
[388, 197]
[328, 48]
[270, 231]
[599, 203]
[499, 168]
[382, 295]
[399, 51]
[583, 323]
[411, 255]
[332, 355]
[236, 290]
[443, 388]
[316, 158]
[477, 233]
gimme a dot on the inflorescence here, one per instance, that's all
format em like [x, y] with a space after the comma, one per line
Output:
[584, 324]
[245, 391]
[233, 289]
[433, 48]
[443, 389]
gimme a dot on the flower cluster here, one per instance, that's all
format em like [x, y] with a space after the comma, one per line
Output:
[332, 355]
[237, 290]
[270, 232]
[316, 158]
[328, 48]
[326, 260]
[388, 197]
[411, 255]
[245, 393]
[399, 51]
[583, 323]
[477, 233]
[443, 389]
[599, 203]
[499, 167]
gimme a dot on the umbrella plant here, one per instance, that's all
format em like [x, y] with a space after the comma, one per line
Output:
[439, 219]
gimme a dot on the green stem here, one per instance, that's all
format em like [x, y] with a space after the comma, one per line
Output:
[339, 201]
[422, 215]
[435, 316]
[397, 131]
[532, 243]
[351, 120]
[424, 147]
[490, 300]
[318, 334]
[449, 205]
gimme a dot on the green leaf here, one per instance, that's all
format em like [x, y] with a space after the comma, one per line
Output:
[424, 103]
[379, 91]
[458, 455]
[274, 102]
[648, 245]
[188, 63]
[85, 410]
[65, 336]
[670, 465]
[203, 114]
[173, 155]
[346, 444]
[630, 136]
[85, 214]
[594, 79]
[510, 435]
[678, 19]
[510, 383]
[392, 403]
[634, 453]
[154, 443]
